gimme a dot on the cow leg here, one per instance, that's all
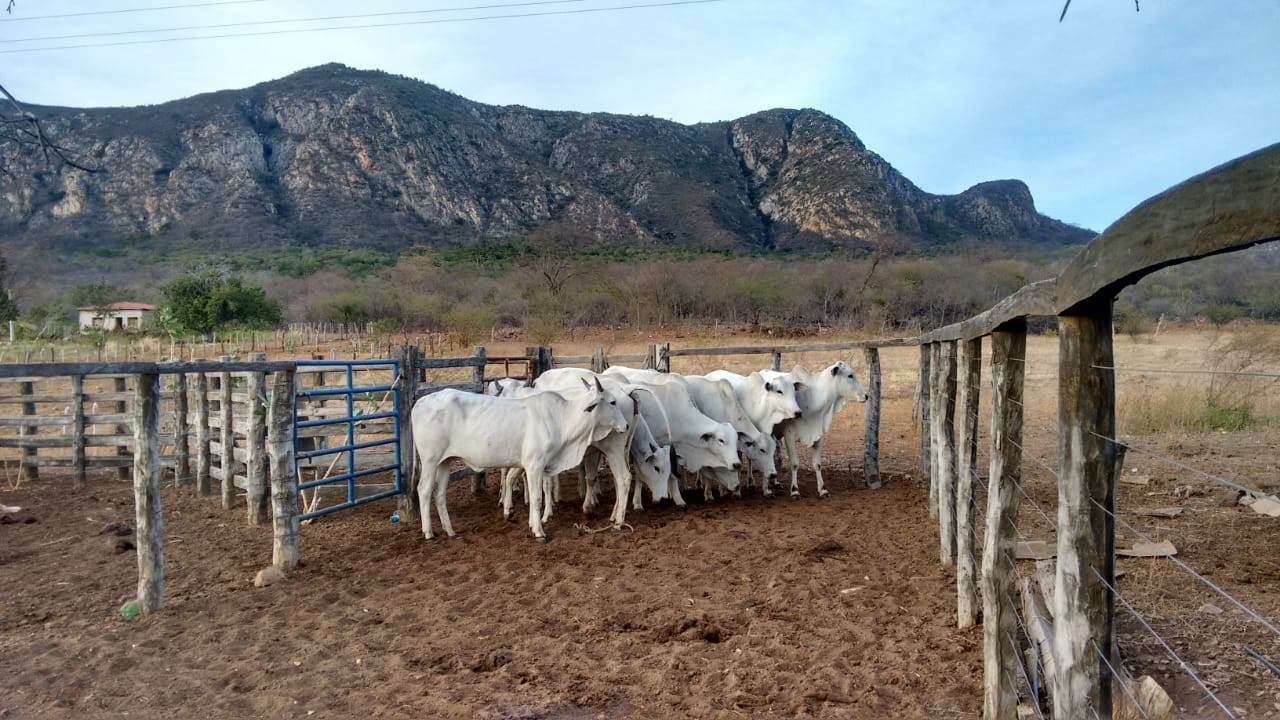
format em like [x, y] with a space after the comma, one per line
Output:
[637, 502]
[793, 459]
[817, 468]
[508, 490]
[616, 456]
[427, 473]
[590, 470]
[442, 505]
[708, 495]
[535, 500]
[673, 488]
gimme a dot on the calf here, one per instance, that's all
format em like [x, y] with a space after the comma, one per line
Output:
[821, 395]
[543, 434]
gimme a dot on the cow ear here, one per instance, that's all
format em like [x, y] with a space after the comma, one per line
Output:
[653, 448]
[707, 436]
[649, 458]
[835, 370]
[499, 393]
[800, 386]
[592, 407]
[768, 386]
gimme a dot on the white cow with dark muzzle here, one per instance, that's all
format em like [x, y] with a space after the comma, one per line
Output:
[766, 403]
[821, 395]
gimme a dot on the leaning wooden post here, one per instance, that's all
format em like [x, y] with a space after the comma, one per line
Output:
[922, 400]
[284, 472]
[181, 443]
[1086, 485]
[122, 407]
[934, 417]
[29, 470]
[226, 418]
[77, 431]
[477, 377]
[945, 449]
[871, 430]
[203, 459]
[408, 382]
[999, 596]
[256, 443]
[146, 492]
[969, 376]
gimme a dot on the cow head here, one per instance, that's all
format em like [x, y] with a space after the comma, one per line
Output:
[759, 451]
[653, 465]
[722, 443]
[846, 382]
[603, 407]
[777, 396]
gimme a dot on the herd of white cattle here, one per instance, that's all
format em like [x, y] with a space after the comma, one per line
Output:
[660, 427]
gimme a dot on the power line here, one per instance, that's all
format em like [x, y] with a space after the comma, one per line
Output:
[284, 21]
[128, 10]
[440, 21]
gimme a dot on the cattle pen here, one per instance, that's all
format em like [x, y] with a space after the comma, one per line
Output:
[258, 426]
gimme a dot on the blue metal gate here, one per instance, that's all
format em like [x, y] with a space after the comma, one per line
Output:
[370, 422]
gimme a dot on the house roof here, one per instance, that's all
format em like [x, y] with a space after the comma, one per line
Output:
[118, 306]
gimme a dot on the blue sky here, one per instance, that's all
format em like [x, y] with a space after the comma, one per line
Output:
[1095, 114]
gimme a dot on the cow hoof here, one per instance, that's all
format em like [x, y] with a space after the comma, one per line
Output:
[795, 494]
[429, 538]
[542, 540]
[509, 517]
[823, 493]
[767, 493]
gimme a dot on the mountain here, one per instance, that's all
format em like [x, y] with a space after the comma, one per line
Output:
[333, 155]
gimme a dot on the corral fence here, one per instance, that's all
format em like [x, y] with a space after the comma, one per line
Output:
[1061, 648]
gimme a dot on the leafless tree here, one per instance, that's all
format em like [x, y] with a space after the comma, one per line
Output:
[22, 132]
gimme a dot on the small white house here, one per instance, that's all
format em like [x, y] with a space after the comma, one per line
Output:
[116, 316]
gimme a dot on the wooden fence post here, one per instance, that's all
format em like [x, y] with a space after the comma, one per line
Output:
[599, 361]
[775, 361]
[122, 407]
[871, 430]
[969, 376]
[226, 417]
[999, 599]
[477, 376]
[1086, 485]
[203, 460]
[146, 492]
[77, 431]
[663, 356]
[408, 461]
[284, 472]
[29, 469]
[181, 443]
[944, 442]
[935, 389]
[924, 400]
[256, 443]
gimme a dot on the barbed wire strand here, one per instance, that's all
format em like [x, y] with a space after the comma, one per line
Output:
[1160, 639]
[1208, 476]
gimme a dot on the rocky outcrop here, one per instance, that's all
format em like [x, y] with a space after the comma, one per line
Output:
[336, 155]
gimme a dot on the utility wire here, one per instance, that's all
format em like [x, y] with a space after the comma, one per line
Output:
[122, 11]
[284, 21]
[438, 21]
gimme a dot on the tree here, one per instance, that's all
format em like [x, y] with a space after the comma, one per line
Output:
[557, 254]
[208, 301]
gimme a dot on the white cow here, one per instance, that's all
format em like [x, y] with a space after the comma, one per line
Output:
[699, 442]
[649, 458]
[503, 387]
[821, 395]
[544, 434]
[717, 400]
[766, 403]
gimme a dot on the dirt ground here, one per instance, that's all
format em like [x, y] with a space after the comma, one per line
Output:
[751, 608]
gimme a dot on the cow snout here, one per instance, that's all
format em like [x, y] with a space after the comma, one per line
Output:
[737, 466]
[773, 476]
[797, 415]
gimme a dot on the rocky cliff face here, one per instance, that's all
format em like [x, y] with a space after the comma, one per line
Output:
[336, 155]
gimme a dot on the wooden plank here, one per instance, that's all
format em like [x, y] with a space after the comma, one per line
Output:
[121, 385]
[78, 474]
[204, 458]
[148, 521]
[944, 441]
[46, 441]
[871, 431]
[408, 502]
[999, 622]
[284, 473]
[97, 461]
[924, 390]
[426, 363]
[241, 455]
[1086, 415]
[34, 398]
[969, 375]
[258, 499]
